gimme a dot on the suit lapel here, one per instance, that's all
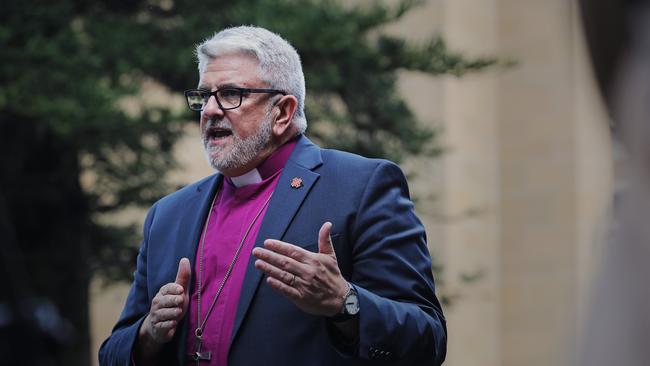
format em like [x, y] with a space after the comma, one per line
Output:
[192, 222]
[194, 219]
[283, 206]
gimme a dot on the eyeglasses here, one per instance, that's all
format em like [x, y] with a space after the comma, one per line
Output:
[227, 98]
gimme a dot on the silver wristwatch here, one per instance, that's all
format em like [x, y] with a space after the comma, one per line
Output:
[350, 306]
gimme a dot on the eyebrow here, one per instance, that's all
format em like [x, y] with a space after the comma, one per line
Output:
[219, 87]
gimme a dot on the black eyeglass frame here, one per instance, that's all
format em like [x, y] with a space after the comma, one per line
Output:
[206, 94]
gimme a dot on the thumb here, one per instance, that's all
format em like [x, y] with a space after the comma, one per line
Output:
[183, 274]
[325, 240]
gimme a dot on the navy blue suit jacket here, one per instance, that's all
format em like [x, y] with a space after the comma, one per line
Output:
[380, 246]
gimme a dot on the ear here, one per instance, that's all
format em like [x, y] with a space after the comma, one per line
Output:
[287, 106]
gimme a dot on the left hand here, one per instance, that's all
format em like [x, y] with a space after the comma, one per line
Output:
[312, 281]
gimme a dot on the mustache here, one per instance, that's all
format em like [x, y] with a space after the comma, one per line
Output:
[214, 123]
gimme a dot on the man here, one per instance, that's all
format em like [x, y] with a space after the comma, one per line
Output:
[347, 273]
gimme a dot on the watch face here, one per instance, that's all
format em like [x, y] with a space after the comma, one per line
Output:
[352, 304]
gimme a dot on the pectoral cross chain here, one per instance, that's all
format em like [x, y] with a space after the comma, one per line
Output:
[199, 355]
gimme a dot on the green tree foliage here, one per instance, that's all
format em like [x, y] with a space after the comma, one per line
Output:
[66, 65]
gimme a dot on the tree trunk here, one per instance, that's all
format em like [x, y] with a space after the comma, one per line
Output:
[44, 220]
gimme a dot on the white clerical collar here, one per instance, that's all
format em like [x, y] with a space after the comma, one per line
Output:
[252, 177]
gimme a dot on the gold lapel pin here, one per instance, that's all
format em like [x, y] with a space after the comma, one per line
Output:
[296, 183]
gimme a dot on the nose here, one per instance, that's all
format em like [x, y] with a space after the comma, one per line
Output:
[211, 109]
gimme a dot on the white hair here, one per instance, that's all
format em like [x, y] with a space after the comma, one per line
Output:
[279, 63]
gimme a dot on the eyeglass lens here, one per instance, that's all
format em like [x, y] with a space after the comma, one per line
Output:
[228, 98]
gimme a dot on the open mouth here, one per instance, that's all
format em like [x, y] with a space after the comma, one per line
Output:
[218, 133]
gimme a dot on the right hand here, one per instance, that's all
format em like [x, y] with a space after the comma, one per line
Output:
[169, 306]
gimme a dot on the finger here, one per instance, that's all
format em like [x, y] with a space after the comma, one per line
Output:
[170, 301]
[279, 260]
[287, 249]
[283, 288]
[184, 273]
[171, 289]
[275, 272]
[166, 314]
[325, 239]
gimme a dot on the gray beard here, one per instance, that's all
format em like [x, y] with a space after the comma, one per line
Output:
[243, 150]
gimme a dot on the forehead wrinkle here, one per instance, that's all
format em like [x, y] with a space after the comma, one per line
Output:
[233, 70]
[232, 84]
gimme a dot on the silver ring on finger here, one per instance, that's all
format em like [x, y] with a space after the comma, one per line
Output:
[293, 280]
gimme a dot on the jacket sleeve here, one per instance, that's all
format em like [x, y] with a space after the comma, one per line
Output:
[118, 347]
[401, 319]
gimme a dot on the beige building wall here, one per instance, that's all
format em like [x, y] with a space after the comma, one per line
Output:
[471, 176]
[517, 202]
[538, 181]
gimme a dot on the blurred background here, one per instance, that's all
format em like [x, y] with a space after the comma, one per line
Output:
[489, 106]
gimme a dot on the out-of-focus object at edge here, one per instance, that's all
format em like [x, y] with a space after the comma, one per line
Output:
[617, 324]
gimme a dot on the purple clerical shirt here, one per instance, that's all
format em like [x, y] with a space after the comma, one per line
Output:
[234, 210]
